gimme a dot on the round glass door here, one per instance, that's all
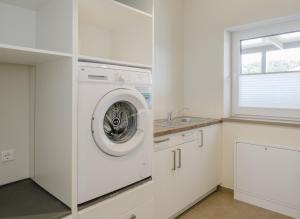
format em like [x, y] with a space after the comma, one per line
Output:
[120, 122]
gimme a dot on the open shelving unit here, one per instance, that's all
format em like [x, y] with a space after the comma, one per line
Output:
[39, 53]
[112, 31]
[36, 80]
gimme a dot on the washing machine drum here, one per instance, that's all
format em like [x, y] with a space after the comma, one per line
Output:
[119, 122]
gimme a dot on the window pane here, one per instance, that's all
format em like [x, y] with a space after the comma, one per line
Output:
[284, 60]
[278, 91]
[251, 63]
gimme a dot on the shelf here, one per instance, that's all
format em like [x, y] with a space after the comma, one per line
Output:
[27, 56]
[40, 24]
[25, 199]
[110, 14]
[112, 62]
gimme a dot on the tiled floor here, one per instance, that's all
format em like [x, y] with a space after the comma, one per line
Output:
[221, 205]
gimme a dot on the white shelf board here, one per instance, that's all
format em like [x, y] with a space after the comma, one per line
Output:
[110, 14]
[112, 62]
[27, 56]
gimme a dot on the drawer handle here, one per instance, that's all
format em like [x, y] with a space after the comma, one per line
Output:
[179, 164]
[132, 216]
[202, 144]
[174, 160]
[161, 141]
[187, 134]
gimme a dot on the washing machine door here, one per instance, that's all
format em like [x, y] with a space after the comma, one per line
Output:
[119, 122]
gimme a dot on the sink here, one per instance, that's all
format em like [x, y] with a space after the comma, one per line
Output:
[184, 119]
[179, 121]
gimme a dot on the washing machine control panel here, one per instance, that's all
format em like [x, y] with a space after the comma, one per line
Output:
[112, 73]
[132, 77]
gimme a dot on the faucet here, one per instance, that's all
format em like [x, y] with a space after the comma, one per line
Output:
[170, 114]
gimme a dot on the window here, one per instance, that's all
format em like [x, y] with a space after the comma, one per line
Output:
[266, 72]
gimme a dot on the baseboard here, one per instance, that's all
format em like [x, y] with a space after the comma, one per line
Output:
[267, 204]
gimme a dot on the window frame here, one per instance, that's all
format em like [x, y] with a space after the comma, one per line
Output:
[251, 33]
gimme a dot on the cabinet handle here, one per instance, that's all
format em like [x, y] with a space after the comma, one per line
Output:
[187, 134]
[179, 162]
[202, 144]
[161, 141]
[174, 160]
[132, 216]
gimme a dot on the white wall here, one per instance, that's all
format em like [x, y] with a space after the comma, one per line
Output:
[204, 25]
[15, 121]
[168, 72]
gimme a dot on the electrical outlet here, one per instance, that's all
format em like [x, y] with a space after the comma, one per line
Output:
[8, 155]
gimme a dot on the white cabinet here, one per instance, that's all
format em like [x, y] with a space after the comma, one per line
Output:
[164, 176]
[136, 203]
[268, 176]
[187, 183]
[210, 161]
[144, 211]
[186, 172]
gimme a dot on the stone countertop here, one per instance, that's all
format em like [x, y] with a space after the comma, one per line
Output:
[196, 122]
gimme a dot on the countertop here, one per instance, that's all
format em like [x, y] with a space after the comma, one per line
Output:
[196, 122]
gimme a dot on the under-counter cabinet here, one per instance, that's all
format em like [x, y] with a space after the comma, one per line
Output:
[186, 168]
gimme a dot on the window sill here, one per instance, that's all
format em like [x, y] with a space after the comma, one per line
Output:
[259, 121]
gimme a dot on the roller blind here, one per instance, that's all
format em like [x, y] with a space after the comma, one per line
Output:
[277, 90]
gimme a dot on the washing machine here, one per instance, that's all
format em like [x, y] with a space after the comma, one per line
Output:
[115, 128]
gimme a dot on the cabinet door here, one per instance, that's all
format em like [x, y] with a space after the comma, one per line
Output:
[210, 158]
[269, 173]
[164, 179]
[188, 171]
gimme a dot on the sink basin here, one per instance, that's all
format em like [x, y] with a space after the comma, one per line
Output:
[183, 119]
[179, 121]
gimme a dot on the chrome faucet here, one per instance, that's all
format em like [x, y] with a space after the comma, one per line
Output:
[170, 114]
